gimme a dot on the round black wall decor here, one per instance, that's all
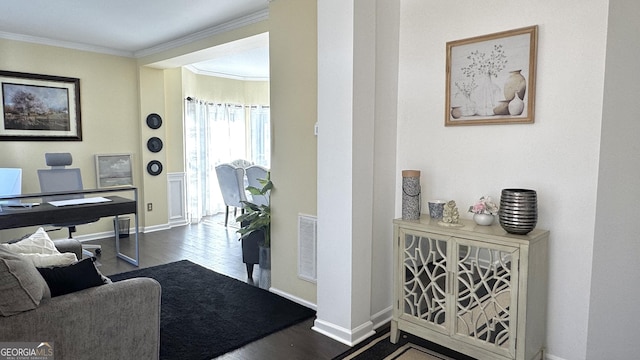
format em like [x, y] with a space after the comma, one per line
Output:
[154, 121]
[154, 144]
[154, 167]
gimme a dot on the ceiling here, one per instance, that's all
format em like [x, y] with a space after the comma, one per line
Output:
[143, 27]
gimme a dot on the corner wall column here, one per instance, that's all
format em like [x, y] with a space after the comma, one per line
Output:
[346, 103]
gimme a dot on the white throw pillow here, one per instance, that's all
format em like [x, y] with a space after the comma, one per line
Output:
[48, 260]
[40, 250]
[38, 243]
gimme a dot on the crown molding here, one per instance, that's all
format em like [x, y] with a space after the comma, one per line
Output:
[64, 44]
[250, 19]
[197, 71]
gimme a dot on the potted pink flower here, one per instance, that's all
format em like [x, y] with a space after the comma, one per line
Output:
[484, 211]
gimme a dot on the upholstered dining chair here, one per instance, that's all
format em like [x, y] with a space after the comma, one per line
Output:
[241, 163]
[231, 181]
[255, 172]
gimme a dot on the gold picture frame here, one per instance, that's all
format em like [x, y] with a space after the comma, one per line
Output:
[491, 79]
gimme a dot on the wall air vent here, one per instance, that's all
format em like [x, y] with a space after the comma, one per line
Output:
[307, 235]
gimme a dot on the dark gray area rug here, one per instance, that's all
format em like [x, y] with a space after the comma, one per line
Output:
[205, 314]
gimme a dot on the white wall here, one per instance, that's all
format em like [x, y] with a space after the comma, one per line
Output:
[557, 155]
[384, 175]
[613, 309]
[343, 290]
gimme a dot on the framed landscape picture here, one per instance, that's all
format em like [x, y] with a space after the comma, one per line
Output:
[113, 170]
[39, 107]
[490, 79]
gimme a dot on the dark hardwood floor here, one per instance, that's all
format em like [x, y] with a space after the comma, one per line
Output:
[213, 246]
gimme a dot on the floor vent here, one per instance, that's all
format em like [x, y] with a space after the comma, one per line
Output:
[307, 235]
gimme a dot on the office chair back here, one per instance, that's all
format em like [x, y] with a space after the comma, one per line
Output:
[59, 178]
[58, 160]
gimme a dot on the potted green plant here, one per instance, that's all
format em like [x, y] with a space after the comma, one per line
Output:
[255, 231]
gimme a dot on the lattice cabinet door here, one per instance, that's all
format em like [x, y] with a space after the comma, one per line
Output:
[474, 289]
[424, 277]
[486, 295]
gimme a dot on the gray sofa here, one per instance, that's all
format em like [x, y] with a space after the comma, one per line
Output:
[69, 245]
[120, 320]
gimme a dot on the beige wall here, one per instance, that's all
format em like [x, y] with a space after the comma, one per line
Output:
[116, 98]
[225, 90]
[293, 59]
[163, 91]
[174, 110]
[154, 190]
[110, 115]
[118, 93]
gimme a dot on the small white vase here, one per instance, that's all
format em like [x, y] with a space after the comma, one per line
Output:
[516, 106]
[483, 219]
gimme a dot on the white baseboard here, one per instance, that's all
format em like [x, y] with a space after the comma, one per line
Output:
[107, 234]
[553, 357]
[382, 317]
[349, 337]
[338, 333]
[343, 335]
[150, 229]
[295, 299]
[82, 238]
[176, 223]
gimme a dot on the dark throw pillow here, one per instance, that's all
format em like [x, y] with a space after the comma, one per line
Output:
[75, 277]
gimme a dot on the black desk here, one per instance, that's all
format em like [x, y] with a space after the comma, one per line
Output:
[47, 214]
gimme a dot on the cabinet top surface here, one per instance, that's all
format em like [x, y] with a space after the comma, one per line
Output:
[469, 228]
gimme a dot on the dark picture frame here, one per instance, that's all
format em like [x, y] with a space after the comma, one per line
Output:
[485, 74]
[39, 107]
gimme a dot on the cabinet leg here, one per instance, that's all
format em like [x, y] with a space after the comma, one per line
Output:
[395, 334]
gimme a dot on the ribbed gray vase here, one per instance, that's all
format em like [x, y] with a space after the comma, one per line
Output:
[518, 212]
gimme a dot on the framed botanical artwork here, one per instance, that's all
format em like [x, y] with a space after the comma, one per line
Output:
[114, 170]
[39, 107]
[491, 78]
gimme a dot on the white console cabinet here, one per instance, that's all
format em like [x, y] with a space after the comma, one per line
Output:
[474, 289]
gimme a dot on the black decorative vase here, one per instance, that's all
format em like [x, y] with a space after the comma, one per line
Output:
[518, 212]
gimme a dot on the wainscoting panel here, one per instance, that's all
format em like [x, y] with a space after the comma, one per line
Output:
[177, 199]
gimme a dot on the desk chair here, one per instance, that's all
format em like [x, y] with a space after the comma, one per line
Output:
[60, 178]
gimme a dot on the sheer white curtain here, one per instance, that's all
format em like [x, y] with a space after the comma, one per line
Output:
[260, 135]
[214, 134]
